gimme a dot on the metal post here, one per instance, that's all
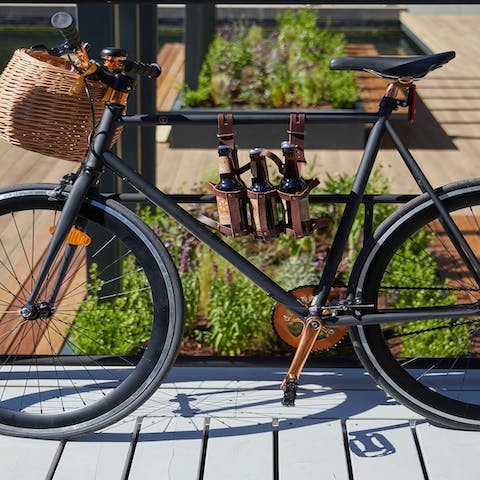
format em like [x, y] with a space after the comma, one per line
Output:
[133, 27]
[199, 31]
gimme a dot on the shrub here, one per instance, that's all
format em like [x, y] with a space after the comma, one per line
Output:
[414, 262]
[237, 312]
[116, 327]
[285, 69]
[239, 315]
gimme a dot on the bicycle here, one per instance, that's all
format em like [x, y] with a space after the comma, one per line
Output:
[43, 292]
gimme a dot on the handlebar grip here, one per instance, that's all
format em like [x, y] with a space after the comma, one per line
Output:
[64, 22]
[150, 70]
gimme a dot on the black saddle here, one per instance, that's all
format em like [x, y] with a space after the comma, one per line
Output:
[415, 67]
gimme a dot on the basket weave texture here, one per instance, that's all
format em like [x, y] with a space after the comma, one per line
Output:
[38, 113]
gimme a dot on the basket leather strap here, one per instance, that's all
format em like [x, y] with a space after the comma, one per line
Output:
[77, 88]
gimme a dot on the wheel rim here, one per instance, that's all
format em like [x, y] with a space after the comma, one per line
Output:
[38, 387]
[443, 384]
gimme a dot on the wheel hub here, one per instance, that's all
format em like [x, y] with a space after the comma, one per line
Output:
[37, 310]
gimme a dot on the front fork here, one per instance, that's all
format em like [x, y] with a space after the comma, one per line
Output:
[63, 227]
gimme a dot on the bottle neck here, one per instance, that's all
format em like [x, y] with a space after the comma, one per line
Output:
[291, 167]
[259, 171]
[225, 167]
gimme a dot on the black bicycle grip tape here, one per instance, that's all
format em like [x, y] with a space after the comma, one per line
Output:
[151, 70]
[63, 21]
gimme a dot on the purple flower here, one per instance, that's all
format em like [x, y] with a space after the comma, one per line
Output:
[185, 259]
[214, 271]
[394, 297]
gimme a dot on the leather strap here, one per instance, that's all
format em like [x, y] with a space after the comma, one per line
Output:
[268, 154]
[226, 136]
[225, 133]
[296, 135]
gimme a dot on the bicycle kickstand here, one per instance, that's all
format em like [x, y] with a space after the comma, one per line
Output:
[307, 339]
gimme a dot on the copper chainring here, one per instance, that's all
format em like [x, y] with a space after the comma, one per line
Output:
[288, 327]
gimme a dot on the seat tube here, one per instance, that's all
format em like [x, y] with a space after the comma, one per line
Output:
[352, 206]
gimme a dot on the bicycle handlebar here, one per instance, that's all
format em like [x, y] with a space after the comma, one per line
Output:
[150, 70]
[64, 22]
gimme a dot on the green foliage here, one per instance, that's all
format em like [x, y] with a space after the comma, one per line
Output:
[414, 266]
[237, 312]
[239, 315]
[288, 68]
[182, 247]
[342, 184]
[117, 327]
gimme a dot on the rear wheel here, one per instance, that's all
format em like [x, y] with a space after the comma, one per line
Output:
[120, 300]
[433, 365]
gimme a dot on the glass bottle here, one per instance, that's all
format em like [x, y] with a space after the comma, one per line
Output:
[229, 182]
[261, 184]
[293, 183]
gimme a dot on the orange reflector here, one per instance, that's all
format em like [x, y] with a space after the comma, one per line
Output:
[75, 237]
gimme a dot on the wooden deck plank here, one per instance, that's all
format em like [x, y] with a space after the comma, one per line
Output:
[306, 446]
[171, 58]
[168, 447]
[26, 459]
[99, 456]
[384, 447]
[449, 453]
[239, 449]
[241, 435]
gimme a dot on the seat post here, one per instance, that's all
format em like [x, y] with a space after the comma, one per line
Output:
[398, 94]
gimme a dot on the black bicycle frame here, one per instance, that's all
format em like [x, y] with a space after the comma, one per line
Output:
[362, 314]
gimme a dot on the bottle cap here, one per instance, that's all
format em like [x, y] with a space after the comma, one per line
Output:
[224, 150]
[255, 152]
[287, 146]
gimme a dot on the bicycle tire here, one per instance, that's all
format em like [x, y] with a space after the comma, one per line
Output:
[432, 367]
[54, 382]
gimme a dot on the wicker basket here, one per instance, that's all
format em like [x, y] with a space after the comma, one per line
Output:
[38, 113]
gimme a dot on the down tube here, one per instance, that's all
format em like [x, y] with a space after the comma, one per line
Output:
[195, 227]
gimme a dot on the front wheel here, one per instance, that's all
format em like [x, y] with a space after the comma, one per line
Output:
[432, 366]
[118, 300]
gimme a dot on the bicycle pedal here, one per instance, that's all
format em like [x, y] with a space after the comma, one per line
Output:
[289, 392]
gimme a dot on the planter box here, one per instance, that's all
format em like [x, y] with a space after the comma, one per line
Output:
[335, 135]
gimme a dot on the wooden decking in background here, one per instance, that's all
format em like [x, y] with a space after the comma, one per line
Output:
[445, 138]
[171, 58]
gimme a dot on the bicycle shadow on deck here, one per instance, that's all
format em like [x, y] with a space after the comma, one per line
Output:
[249, 396]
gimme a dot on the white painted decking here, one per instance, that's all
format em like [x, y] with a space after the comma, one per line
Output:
[227, 423]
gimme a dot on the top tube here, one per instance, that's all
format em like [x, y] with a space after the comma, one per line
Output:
[243, 117]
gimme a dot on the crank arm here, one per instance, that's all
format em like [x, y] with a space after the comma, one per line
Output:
[307, 339]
